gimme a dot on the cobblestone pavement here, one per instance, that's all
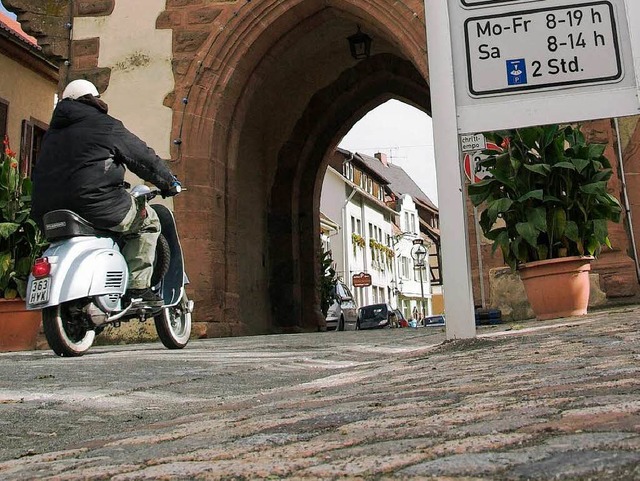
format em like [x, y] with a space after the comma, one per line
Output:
[555, 400]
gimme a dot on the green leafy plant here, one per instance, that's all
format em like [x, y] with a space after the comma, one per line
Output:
[357, 240]
[328, 281]
[21, 242]
[388, 251]
[546, 196]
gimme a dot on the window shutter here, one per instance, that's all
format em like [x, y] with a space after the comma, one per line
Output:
[26, 147]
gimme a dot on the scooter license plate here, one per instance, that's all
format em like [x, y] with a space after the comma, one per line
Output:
[40, 291]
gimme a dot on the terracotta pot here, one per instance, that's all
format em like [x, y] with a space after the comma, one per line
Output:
[19, 328]
[557, 287]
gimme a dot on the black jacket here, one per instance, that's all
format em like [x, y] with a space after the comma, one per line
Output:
[82, 164]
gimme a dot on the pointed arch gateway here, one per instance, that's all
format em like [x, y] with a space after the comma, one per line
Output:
[271, 92]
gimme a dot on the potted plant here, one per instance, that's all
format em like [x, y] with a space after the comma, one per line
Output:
[21, 242]
[546, 207]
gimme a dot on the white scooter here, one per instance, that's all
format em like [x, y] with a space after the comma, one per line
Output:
[80, 279]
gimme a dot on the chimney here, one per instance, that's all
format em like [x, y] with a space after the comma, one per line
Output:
[382, 158]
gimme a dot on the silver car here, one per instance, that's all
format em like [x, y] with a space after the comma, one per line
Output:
[343, 312]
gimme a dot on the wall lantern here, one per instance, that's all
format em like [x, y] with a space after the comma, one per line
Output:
[360, 45]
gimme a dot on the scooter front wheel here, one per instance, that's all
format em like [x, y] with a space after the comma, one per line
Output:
[174, 324]
[66, 334]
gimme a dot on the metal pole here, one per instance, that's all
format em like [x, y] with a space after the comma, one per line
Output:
[458, 296]
[422, 293]
[483, 299]
[627, 207]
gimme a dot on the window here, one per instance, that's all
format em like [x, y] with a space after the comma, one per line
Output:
[405, 267]
[370, 230]
[347, 170]
[30, 144]
[355, 226]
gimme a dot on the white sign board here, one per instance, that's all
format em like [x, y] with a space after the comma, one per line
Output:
[543, 48]
[518, 63]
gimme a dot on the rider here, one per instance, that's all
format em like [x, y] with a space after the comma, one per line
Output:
[81, 167]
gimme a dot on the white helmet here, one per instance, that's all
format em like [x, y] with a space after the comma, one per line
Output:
[79, 88]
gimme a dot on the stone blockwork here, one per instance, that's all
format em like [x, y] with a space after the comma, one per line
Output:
[262, 91]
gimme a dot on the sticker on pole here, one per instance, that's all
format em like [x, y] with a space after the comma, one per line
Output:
[473, 163]
[545, 48]
[472, 142]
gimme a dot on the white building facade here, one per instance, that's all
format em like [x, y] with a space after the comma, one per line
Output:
[364, 241]
[375, 239]
[413, 282]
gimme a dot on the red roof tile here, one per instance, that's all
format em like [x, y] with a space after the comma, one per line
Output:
[13, 26]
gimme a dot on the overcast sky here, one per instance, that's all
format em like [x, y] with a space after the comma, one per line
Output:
[405, 134]
[4, 10]
[400, 131]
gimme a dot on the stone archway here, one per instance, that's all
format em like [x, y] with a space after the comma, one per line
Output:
[247, 76]
[262, 151]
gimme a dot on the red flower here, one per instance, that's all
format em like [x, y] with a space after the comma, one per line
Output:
[7, 147]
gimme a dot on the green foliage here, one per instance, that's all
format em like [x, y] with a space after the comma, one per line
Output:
[357, 241]
[546, 196]
[328, 281]
[21, 242]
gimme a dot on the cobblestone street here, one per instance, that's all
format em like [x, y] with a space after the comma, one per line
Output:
[529, 401]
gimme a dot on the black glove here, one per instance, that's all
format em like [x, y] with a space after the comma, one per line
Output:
[174, 189]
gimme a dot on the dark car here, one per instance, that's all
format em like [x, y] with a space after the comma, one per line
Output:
[434, 320]
[377, 316]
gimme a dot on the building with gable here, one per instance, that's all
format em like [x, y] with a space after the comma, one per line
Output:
[28, 86]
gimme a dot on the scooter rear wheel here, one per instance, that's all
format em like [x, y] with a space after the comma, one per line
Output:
[66, 334]
[174, 324]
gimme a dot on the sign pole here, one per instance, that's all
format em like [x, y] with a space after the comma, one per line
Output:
[458, 294]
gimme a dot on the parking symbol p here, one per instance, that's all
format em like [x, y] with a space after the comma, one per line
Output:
[516, 72]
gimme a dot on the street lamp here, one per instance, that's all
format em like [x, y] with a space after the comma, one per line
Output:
[419, 254]
[359, 45]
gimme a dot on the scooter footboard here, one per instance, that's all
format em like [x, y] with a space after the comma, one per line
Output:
[79, 270]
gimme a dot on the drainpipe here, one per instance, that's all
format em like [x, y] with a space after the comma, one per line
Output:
[627, 208]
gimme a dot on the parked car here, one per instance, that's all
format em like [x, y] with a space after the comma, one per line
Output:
[377, 316]
[342, 313]
[434, 320]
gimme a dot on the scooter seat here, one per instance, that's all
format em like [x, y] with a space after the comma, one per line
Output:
[63, 224]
